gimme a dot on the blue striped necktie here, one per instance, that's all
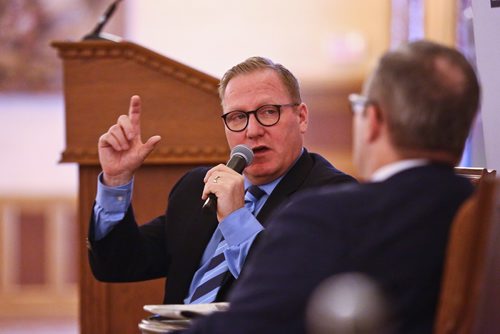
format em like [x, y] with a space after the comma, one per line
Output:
[216, 271]
[252, 196]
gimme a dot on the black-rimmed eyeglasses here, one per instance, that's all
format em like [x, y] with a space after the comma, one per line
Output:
[266, 115]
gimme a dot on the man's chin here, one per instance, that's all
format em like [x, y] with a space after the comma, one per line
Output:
[258, 171]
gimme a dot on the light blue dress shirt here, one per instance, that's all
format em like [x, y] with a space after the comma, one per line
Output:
[111, 205]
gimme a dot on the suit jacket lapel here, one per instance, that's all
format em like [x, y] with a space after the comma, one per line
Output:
[195, 239]
[287, 186]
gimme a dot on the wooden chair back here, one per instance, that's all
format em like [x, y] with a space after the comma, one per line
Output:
[470, 292]
[475, 174]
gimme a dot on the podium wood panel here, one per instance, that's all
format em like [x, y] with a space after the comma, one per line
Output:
[180, 104]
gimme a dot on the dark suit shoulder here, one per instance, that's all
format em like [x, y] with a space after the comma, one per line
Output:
[418, 191]
[326, 173]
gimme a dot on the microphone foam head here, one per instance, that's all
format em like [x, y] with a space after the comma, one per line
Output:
[243, 151]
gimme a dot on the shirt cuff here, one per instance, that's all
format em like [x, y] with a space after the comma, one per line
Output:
[114, 199]
[239, 226]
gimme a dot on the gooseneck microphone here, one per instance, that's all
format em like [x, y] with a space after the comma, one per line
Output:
[241, 156]
[96, 32]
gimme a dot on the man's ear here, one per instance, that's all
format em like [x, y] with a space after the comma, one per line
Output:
[303, 117]
[374, 121]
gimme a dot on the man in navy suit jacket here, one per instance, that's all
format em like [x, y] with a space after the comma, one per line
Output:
[410, 126]
[263, 109]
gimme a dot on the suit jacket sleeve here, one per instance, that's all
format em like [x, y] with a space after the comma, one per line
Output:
[134, 253]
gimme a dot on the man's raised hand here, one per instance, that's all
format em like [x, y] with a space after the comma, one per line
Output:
[121, 150]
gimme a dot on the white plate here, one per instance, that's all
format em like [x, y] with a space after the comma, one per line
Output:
[181, 311]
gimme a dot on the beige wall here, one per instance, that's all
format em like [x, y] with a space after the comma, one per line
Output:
[319, 40]
[31, 142]
[440, 20]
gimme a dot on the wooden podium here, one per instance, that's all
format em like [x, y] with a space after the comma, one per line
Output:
[180, 104]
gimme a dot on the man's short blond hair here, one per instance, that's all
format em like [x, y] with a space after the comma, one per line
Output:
[254, 64]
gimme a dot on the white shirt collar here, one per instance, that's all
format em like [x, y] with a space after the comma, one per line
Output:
[385, 172]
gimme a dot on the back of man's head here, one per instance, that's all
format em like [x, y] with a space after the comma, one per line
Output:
[428, 95]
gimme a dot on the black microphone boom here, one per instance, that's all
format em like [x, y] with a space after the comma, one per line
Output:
[96, 32]
[241, 156]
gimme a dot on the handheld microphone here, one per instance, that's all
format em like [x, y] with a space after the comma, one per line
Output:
[96, 32]
[241, 156]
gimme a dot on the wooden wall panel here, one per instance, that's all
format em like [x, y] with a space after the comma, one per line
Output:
[32, 248]
[36, 256]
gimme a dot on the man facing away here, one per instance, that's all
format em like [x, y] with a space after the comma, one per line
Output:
[410, 126]
[203, 253]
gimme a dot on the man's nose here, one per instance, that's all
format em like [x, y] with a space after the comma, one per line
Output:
[253, 127]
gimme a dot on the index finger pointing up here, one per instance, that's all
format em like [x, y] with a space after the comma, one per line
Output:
[134, 114]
